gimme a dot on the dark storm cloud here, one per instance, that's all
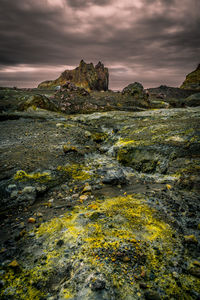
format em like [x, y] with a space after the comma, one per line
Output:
[84, 3]
[149, 40]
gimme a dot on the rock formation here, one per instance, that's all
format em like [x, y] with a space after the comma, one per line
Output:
[192, 81]
[136, 94]
[193, 100]
[85, 75]
[135, 89]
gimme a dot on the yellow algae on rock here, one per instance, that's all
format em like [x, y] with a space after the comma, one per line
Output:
[76, 171]
[126, 240]
[41, 177]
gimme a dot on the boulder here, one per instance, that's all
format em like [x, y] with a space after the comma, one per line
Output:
[192, 81]
[135, 91]
[85, 76]
[38, 101]
[193, 100]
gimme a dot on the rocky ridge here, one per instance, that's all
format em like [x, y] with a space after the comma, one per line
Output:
[192, 81]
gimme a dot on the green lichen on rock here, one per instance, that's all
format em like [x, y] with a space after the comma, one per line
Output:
[192, 81]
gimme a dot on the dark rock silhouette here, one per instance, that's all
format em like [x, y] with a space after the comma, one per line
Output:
[192, 81]
[85, 76]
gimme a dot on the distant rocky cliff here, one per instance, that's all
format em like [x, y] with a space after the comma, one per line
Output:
[192, 81]
[85, 75]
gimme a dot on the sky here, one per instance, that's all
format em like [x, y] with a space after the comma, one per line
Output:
[150, 41]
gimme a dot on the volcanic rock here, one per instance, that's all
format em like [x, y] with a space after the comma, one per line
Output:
[85, 75]
[133, 89]
[136, 91]
[193, 100]
[38, 101]
[192, 81]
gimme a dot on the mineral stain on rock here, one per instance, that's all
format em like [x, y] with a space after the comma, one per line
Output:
[103, 205]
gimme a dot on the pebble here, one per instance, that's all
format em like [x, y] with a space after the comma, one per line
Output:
[41, 189]
[31, 220]
[14, 264]
[11, 187]
[60, 125]
[175, 274]
[31, 234]
[190, 239]
[168, 186]
[74, 196]
[196, 263]
[64, 187]
[14, 194]
[126, 259]
[87, 188]
[39, 214]
[87, 134]
[28, 190]
[83, 197]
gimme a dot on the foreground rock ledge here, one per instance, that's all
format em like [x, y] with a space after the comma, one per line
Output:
[114, 216]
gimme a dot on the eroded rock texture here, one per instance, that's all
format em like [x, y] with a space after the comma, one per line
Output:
[85, 75]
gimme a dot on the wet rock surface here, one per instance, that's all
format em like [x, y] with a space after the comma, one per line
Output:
[100, 206]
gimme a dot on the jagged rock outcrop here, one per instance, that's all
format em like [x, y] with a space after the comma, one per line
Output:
[85, 75]
[192, 81]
